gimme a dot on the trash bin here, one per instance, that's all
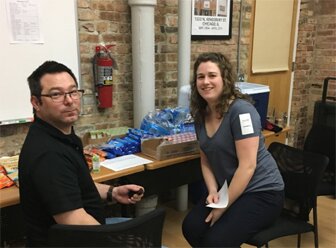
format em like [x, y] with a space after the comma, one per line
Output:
[146, 205]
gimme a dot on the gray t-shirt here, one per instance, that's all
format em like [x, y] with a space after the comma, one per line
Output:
[241, 121]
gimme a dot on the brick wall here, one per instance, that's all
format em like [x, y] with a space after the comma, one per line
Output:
[315, 60]
[108, 21]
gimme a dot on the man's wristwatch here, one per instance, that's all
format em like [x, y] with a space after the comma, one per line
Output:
[109, 196]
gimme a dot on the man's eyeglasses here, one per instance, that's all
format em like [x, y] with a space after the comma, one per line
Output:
[60, 96]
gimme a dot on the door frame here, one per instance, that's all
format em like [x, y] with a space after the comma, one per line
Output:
[286, 91]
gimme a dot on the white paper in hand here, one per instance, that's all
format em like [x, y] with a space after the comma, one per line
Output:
[223, 198]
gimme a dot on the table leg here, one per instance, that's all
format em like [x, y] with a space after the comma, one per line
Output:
[182, 198]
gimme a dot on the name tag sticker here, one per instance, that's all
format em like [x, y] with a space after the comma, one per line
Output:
[246, 123]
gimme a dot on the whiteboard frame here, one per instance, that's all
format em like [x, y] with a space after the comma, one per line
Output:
[59, 27]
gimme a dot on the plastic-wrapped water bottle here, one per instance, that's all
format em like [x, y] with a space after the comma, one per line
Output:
[167, 121]
[153, 124]
[181, 119]
[158, 130]
[166, 114]
[181, 115]
[145, 123]
[188, 128]
[164, 119]
[95, 163]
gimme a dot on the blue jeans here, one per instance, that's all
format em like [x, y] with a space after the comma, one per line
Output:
[114, 220]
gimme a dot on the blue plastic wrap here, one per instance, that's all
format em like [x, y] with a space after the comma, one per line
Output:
[168, 121]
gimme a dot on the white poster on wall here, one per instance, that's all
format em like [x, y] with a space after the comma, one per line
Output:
[211, 19]
[24, 22]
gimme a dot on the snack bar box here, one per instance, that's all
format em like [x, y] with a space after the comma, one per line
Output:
[171, 146]
[260, 96]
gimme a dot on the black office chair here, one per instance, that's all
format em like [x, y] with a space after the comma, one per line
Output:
[142, 231]
[321, 139]
[322, 136]
[302, 172]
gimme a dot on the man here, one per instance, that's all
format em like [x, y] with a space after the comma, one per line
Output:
[55, 181]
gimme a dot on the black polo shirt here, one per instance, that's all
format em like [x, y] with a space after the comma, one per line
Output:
[54, 178]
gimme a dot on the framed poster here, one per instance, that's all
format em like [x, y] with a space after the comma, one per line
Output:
[211, 19]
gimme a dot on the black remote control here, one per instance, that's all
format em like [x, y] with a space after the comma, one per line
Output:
[131, 192]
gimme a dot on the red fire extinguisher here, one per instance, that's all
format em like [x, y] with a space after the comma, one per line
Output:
[103, 65]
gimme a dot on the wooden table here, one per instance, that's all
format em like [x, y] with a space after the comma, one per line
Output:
[276, 137]
[158, 164]
[106, 174]
[10, 196]
[157, 177]
[188, 170]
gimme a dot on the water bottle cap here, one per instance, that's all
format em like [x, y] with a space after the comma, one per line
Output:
[95, 158]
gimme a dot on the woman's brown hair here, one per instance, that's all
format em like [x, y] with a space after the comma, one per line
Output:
[230, 92]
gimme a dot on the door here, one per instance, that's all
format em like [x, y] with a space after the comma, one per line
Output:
[278, 81]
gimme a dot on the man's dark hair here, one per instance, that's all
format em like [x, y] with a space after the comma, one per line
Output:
[48, 67]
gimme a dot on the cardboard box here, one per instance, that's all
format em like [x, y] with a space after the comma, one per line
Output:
[98, 137]
[161, 148]
[88, 139]
[260, 95]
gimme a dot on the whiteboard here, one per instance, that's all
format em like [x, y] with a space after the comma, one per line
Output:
[59, 32]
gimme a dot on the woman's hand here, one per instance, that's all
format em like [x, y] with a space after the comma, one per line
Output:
[214, 215]
[212, 198]
[123, 193]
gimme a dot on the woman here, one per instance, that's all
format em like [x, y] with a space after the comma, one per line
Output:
[232, 148]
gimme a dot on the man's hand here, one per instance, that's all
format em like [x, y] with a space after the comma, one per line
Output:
[128, 194]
